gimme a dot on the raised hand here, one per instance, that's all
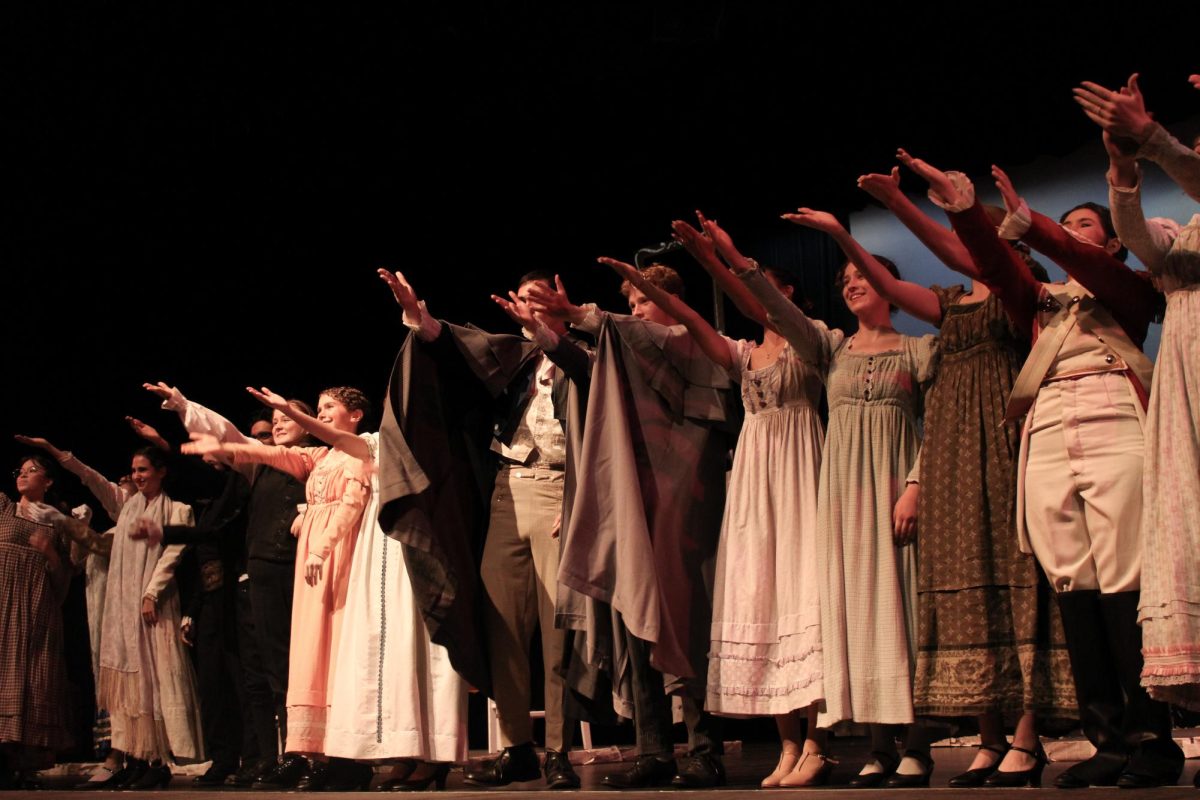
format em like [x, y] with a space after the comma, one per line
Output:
[402, 291]
[938, 181]
[1008, 193]
[627, 271]
[882, 187]
[148, 433]
[1194, 80]
[164, 392]
[696, 242]
[39, 443]
[1122, 113]
[270, 399]
[552, 303]
[518, 310]
[817, 220]
[202, 444]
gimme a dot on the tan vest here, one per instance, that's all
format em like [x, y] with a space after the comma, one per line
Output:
[1078, 337]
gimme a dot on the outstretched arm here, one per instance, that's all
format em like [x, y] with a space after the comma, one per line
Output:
[1123, 114]
[345, 441]
[295, 461]
[573, 360]
[415, 315]
[111, 496]
[704, 249]
[941, 241]
[714, 345]
[922, 303]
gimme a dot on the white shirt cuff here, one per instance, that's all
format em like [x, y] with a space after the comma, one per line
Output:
[965, 191]
[1016, 223]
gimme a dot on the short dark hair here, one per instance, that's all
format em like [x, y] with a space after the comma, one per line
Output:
[536, 275]
[659, 275]
[1105, 222]
[157, 457]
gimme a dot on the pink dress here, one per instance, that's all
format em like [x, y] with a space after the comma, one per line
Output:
[336, 491]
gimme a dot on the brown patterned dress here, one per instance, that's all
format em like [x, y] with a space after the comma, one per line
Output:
[989, 638]
[33, 678]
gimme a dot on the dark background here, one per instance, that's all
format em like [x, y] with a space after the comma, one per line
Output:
[201, 194]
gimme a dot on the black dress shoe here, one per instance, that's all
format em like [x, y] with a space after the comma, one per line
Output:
[559, 772]
[699, 771]
[871, 780]
[316, 778]
[151, 778]
[134, 769]
[647, 771]
[111, 782]
[917, 781]
[284, 775]
[214, 776]
[1102, 769]
[517, 763]
[975, 777]
[250, 772]
[1030, 778]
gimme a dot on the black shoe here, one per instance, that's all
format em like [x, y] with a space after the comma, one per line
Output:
[1102, 769]
[647, 771]
[436, 778]
[134, 769]
[918, 781]
[975, 777]
[558, 771]
[215, 776]
[1031, 778]
[349, 776]
[316, 778]
[699, 771]
[151, 778]
[111, 782]
[284, 775]
[517, 763]
[872, 780]
[250, 772]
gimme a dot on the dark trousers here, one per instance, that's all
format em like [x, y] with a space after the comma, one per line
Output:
[652, 710]
[271, 586]
[219, 674]
[258, 711]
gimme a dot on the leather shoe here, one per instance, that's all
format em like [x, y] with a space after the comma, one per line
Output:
[558, 771]
[871, 780]
[912, 781]
[517, 763]
[1102, 769]
[647, 771]
[214, 776]
[250, 772]
[284, 775]
[699, 771]
[316, 778]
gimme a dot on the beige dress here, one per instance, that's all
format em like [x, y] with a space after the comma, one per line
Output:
[765, 656]
[868, 588]
[1169, 610]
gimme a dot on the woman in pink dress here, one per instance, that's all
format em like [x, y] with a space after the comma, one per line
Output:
[336, 493]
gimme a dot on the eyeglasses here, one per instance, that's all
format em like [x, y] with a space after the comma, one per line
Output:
[25, 472]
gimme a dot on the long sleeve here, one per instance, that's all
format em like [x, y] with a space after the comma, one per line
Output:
[111, 496]
[810, 338]
[575, 361]
[1146, 239]
[1132, 300]
[164, 569]
[295, 461]
[1180, 162]
[346, 518]
[1000, 268]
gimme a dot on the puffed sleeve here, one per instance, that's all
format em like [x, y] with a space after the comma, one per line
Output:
[812, 340]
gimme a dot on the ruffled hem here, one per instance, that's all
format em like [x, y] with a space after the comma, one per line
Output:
[306, 729]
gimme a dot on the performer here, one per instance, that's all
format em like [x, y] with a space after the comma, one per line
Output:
[395, 695]
[765, 656]
[336, 493]
[1079, 496]
[645, 523]
[484, 399]
[875, 382]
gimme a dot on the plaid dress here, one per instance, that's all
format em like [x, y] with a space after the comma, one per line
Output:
[33, 678]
